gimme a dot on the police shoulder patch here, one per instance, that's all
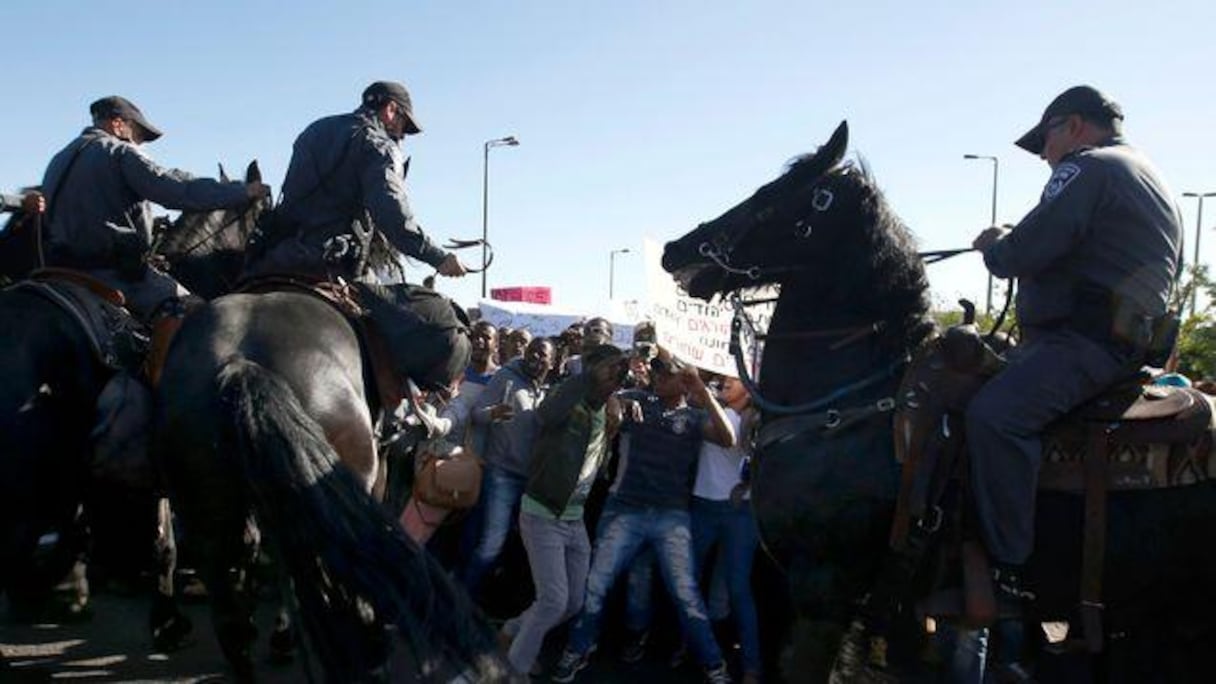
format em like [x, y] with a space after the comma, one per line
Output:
[1065, 173]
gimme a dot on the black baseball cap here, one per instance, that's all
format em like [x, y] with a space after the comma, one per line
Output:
[1084, 100]
[121, 107]
[380, 92]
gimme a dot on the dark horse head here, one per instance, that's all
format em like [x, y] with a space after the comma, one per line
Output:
[853, 304]
[205, 251]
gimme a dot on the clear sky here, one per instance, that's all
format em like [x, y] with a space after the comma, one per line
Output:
[636, 118]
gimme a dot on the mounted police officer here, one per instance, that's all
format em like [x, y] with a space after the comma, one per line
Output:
[99, 219]
[345, 183]
[1096, 260]
[345, 215]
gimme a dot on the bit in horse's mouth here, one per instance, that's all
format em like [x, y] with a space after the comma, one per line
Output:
[686, 274]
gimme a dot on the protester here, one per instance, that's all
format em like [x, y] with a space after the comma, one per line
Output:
[648, 507]
[507, 407]
[576, 422]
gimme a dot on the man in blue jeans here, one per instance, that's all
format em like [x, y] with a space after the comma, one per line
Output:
[507, 408]
[648, 507]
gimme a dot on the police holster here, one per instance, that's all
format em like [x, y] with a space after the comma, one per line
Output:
[1109, 318]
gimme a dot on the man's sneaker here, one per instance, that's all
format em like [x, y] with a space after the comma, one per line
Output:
[568, 666]
[635, 650]
[717, 675]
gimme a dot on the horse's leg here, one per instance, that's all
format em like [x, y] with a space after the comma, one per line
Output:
[348, 428]
[169, 626]
[226, 573]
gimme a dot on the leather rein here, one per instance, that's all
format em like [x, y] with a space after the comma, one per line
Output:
[818, 413]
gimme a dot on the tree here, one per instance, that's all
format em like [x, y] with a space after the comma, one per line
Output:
[1196, 349]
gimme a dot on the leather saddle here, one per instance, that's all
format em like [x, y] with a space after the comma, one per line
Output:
[345, 300]
[1131, 437]
[118, 340]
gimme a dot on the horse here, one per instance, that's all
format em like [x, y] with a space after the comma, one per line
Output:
[853, 309]
[267, 410]
[57, 362]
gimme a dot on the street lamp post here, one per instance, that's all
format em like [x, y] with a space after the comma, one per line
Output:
[1198, 229]
[611, 270]
[996, 163]
[508, 141]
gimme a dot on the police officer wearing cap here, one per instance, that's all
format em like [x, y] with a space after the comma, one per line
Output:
[98, 190]
[1096, 261]
[345, 182]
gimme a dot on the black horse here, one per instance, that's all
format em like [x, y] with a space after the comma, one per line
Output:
[50, 470]
[267, 408]
[852, 309]
[52, 378]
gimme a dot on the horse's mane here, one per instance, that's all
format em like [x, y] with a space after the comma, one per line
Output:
[887, 257]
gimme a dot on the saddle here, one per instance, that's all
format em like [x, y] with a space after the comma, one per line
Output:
[1131, 437]
[407, 333]
[118, 340]
[344, 299]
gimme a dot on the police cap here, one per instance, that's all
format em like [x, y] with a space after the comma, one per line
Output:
[1084, 100]
[122, 108]
[380, 92]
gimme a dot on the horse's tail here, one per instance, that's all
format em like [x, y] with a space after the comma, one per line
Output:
[348, 559]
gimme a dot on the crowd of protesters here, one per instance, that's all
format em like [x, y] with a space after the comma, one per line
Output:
[556, 421]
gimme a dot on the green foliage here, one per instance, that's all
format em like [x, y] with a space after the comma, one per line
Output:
[1196, 351]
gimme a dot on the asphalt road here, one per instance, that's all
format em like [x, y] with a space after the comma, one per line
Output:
[114, 646]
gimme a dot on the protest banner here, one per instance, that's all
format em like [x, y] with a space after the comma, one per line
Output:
[694, 330]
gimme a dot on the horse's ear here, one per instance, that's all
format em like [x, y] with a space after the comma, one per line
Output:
[836, 146]
[223, 173]
[405, 168]
[253, 173]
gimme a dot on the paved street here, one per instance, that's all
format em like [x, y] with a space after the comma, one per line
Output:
[114, 647]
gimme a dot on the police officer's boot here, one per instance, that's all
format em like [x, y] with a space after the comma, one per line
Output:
[1012, 595]
[165, 322]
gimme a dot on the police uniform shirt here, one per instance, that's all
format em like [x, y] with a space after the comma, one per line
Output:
[97, 189]
[341, 165]
[1105, 217]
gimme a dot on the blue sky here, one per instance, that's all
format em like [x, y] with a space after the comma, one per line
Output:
[636, 118]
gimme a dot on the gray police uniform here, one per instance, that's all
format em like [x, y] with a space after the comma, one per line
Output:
[342, 166]
[1103, 244]
[100, 220]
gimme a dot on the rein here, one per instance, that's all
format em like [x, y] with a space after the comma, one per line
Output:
[745, 376]
[207, 238]
[454, 244]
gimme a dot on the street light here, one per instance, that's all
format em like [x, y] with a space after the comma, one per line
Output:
[508, 141]
[611, 271]
[1198, 228]
[996, 163]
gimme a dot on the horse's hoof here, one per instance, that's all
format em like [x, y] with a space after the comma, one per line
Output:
[172, 634]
